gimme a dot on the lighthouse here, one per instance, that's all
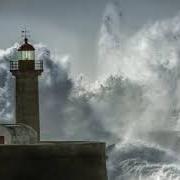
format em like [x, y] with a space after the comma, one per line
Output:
[22, 154]
[26, 71]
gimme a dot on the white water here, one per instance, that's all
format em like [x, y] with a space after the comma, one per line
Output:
[150, 59]
[134, 103]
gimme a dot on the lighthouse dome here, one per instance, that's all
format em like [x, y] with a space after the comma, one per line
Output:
[26, 46]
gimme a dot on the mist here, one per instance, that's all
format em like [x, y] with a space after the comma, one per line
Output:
[136, 91]
[136, 75]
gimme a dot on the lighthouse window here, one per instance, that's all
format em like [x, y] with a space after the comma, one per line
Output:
[26, 55]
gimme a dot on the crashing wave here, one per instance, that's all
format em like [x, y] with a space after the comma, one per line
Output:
[137, 160]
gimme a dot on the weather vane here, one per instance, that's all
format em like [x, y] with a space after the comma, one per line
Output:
[25, 33]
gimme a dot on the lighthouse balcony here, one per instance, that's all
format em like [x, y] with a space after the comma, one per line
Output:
[28, 65]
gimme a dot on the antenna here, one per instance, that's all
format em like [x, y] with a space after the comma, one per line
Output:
[25, 34]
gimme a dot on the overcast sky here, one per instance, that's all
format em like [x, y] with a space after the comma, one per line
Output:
[73, 111]
[72, 26]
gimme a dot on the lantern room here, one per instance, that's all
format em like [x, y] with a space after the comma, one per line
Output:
[26, 51]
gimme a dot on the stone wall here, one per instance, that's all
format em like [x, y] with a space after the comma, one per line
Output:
[53, 161]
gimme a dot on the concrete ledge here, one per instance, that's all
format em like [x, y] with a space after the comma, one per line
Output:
[53, 161]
